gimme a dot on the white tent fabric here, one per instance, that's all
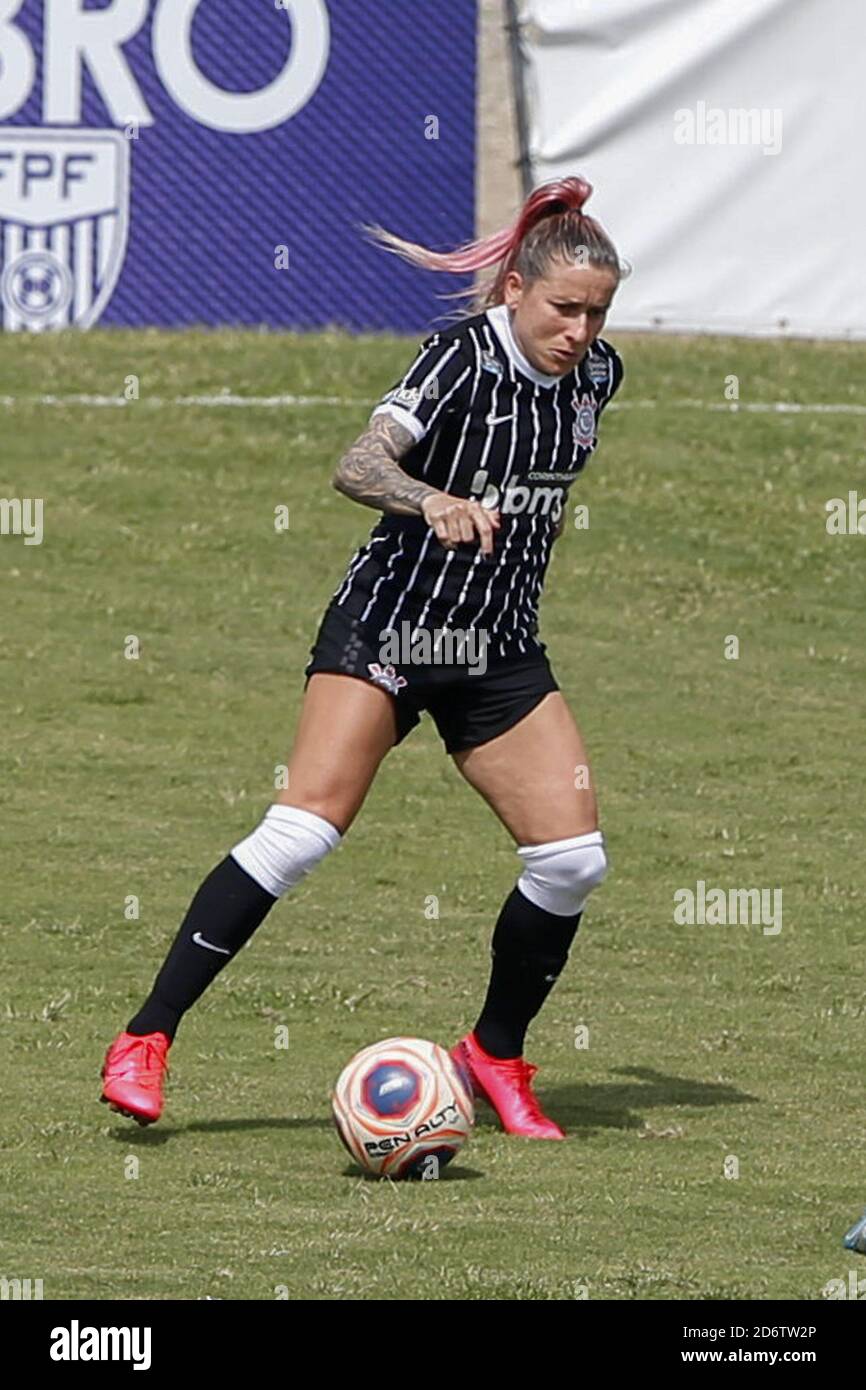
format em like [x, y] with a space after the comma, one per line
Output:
[725, 141]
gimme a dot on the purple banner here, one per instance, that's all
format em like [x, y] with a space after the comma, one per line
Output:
[183, 162]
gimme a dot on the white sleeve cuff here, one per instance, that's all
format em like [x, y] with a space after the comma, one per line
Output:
[403, 417]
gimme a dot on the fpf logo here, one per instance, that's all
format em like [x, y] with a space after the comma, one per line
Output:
[64, 189]
[64, 205]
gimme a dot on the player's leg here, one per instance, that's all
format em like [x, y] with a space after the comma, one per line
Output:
[536, 777]
[345, 729]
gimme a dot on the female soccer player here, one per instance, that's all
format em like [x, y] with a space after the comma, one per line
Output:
[469, 458]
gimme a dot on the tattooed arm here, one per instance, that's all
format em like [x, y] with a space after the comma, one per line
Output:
[369, 471]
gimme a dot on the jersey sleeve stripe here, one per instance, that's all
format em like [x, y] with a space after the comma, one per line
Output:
[434, 378]
[614, 372]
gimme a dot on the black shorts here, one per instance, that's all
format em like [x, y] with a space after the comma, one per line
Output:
[467, 708]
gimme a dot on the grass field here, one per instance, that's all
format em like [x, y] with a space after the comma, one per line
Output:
[134, 777]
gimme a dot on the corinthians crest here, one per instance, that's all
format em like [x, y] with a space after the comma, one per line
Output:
[584, 424]
[64, 220]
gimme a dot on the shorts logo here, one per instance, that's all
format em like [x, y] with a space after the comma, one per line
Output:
[386, 676]
[584, 425]
[64, 222]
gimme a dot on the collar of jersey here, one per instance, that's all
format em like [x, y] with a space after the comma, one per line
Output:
[500, 317]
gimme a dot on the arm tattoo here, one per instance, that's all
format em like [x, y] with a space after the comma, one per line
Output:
[369, 472]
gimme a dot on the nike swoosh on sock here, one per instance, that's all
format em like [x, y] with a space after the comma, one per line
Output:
[208, 945]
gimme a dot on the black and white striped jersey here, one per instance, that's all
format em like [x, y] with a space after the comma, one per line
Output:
[488, 425]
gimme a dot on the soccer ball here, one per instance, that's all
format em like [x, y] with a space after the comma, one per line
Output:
[402, 1108]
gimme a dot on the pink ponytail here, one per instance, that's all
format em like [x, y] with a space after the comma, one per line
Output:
[503, 248]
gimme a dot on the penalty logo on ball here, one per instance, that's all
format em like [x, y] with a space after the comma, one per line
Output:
[402, 1109]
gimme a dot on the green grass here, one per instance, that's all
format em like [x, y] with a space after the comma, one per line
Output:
[122, 777]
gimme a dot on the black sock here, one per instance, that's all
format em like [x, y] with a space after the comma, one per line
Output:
[529, 949]
[225, 912]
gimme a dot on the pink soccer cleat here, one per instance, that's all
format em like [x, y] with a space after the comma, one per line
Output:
[506, 1086]
[133, 1073]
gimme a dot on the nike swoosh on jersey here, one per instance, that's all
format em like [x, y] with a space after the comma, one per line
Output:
[208, 945]
[498, 419]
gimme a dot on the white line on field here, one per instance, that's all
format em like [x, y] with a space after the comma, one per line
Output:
[762, 407]
[168, 401]
[287, 401]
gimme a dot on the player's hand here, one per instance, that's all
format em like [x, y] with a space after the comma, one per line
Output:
[459, 519]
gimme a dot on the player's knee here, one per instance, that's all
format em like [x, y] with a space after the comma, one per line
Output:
[560, 876]
[286, 844]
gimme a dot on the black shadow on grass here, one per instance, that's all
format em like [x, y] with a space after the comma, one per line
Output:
[609, 1105]
[155, 1137]
[580, 1109]
[150, 1138]
[449, 1174]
